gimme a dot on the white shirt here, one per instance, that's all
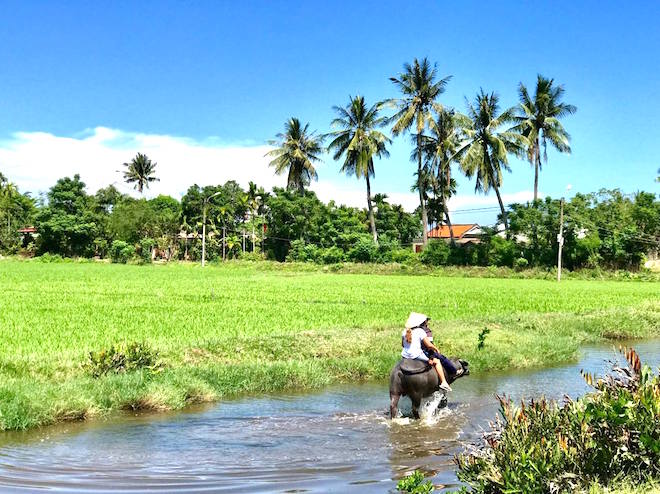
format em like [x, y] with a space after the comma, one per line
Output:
[413, 349]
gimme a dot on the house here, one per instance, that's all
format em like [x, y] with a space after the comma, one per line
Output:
[28, 235]
[469, 233]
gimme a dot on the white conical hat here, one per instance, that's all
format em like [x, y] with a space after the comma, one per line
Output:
[415, 319]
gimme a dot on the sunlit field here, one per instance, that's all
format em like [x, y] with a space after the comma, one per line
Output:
[254, 328]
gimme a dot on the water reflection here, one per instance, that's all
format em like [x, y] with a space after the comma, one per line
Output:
[335, 441]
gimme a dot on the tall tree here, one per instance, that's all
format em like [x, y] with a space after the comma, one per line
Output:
[538, 119]
[439, 148]
[296, 152]
[484, 152]
[141, 171]
[414, 110]
[358, 141]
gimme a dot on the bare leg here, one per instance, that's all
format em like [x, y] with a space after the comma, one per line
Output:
[394, 403]
[441, 374]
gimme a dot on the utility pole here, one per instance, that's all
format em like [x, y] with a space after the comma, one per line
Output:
[205, 205]
[224, 243]
[560, 238]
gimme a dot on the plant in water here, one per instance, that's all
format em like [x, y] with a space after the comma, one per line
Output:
[415, 484]
[121, 358]
[541, 447]
[482, 338]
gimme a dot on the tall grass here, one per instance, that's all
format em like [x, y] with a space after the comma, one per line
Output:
[239, 328]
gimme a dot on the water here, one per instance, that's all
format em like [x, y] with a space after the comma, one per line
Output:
[338, 440]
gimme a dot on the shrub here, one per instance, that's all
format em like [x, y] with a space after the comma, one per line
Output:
[415, 484]
[251, 256]
[502, 252]
[436, 253]
[331, 255]
[122, 358]
[404, 256]
[121, 252]
[520, 264]
[364, 250]
[48, 258]
[146, 244]
[302, 252]
[543, 447]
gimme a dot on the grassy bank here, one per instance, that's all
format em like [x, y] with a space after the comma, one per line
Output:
[241, 328]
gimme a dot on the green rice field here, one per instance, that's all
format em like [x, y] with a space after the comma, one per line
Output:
[255, 328]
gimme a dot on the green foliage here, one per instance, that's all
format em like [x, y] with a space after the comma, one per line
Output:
[69, 224]
[146, 244]
[543, 447]
[121, 252]
[125, 357]
[364, 250]
[436, 253]
[502, 252]
[415, 484]
[481, 339]
[520, 264]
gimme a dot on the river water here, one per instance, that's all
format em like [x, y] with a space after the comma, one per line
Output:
[337, 440]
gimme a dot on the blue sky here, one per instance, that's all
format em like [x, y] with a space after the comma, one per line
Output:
[228, 74]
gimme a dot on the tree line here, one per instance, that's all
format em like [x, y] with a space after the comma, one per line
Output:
[604, 229]
[292, 223]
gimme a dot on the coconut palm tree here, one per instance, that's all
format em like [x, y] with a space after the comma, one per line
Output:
[8, 196]
[140, 170]
[538, 119]
[439, 146]
[484, 152]
[358, 141]
[414, 110]
[297, 150]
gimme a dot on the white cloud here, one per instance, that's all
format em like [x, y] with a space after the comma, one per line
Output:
[35, 160]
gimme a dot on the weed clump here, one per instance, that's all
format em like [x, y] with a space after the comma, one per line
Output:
[415, 484]
[125, 357]
[542, 447]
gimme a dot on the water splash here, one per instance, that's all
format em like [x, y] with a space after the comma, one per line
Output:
[429, 413]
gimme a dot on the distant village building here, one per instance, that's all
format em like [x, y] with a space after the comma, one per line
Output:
[28, 235]
[469, 233]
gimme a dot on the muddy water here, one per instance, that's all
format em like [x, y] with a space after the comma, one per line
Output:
[338, 440]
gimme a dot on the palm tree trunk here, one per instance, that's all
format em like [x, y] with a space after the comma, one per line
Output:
[499, 199]
[448, 221]
[537, 165]
[444, 202]
[372, 220]
[425, 236]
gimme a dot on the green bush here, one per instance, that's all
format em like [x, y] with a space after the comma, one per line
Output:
[520, 264]
[122, 358]
[404, 256]
[121, 252]
[436, 253]
[48, 258]
[415, 484]
[541, 447]
[331, 255]
[502, 252]
[251, 256]
[364, 250]
[146, 244]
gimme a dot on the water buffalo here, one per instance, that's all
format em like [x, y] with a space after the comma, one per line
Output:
[418, 380]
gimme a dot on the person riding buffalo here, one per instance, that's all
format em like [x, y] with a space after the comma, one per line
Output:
[415, 341]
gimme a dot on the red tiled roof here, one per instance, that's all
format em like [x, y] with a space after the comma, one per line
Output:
[442, 231]
[29, 229]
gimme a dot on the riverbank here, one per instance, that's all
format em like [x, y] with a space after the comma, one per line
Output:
[239, 328]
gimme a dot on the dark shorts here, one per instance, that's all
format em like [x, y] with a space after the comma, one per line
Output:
[446, 363]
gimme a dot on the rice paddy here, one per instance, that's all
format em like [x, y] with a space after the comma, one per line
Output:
[243, 327]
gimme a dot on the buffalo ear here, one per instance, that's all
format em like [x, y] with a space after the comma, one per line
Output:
[464, 363]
